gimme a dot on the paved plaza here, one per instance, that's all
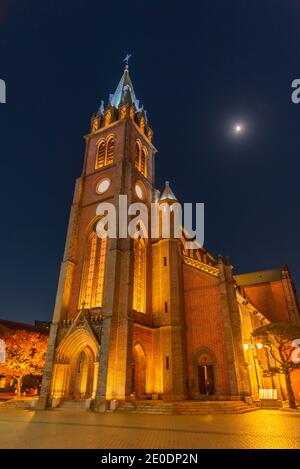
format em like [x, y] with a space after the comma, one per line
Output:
[63, 429]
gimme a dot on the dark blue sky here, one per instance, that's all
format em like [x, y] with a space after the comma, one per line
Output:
[198, 67]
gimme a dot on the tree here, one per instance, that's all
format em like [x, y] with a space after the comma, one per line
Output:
[25, 355]
[278, 337]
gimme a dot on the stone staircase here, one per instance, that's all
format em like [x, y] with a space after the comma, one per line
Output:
[18, 403]
[211, 407]
[75, 405]
[145, 407]
[185, 407]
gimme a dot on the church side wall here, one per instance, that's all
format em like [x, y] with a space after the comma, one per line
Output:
[204, 329]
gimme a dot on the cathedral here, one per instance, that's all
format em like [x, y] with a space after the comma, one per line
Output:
[149, 318]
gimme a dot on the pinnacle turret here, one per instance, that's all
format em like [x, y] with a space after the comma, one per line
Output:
[168, 194]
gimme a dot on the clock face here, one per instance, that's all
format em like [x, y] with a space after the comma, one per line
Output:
[103, 185]
[139, 191]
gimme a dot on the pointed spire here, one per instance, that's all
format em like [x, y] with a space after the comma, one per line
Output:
[168, 194]
[123, 104]
[124, 88]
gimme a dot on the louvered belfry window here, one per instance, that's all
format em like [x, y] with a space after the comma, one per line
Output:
[105, 152]
[140, 161]
[110, 150]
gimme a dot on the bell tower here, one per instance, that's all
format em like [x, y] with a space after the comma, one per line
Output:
[97, 289]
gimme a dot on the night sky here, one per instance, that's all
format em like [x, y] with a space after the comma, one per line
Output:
[198, 67]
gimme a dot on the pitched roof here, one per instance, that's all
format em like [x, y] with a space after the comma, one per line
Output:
[19, 326]
[254, 278]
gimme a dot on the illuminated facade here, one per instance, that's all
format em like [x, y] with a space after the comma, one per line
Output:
[136, 319]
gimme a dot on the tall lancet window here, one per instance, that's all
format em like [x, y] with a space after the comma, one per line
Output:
[140, 160]
[140, 275]
[144, 162]
[137, 154]
[110, 150]
[100, 161]
[93, 272]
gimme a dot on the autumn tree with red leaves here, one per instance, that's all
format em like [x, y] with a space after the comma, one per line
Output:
[25, 355]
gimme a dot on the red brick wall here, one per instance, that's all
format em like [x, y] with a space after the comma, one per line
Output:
[270, 299]
[296, 383]
[204, 322]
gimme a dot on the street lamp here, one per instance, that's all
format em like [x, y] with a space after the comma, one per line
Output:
[250, 345]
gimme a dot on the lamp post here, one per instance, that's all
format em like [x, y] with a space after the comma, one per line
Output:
[250, 344]
[269, 366]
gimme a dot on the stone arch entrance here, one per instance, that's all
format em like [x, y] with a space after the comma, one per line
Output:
[82, 375]
[204, 374]
[139, 372]
[76, 366]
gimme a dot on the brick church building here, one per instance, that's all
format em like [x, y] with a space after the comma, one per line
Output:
[149, 318]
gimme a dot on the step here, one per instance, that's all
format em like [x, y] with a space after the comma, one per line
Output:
[75, 404]
[185, 407]
[16, 403]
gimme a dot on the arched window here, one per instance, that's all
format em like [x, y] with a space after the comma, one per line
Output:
[93, 272]
[99, 274]
[110, 150]
[140, 275]
[140, 161]
[100, 160]
[105, 152]
[143, 162]
[137, 154]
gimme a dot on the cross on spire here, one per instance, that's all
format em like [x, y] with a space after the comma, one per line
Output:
[126, 60]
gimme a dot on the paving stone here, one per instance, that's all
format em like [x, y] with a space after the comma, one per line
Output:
[54, 429]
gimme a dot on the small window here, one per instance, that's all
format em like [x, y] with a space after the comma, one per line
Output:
[165, 262]
[166, 306]
[167, 363]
